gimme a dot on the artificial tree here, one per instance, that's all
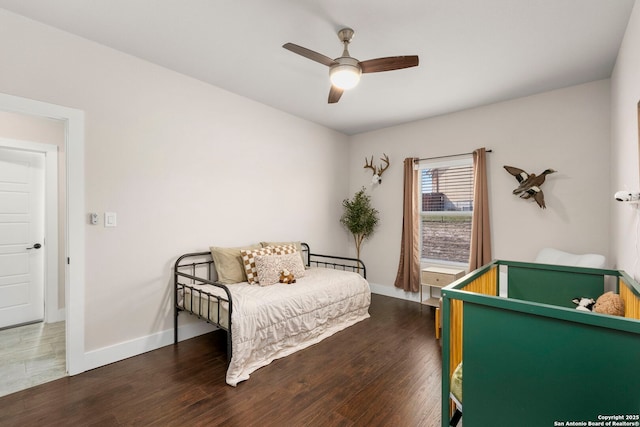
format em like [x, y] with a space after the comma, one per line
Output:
[359, 217]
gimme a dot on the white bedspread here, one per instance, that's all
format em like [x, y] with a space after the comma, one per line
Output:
[270, 322]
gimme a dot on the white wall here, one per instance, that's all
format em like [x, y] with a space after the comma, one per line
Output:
[185, 165]
[625, 95]
[567, 130]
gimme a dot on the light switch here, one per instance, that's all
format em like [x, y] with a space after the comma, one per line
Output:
[109, 219]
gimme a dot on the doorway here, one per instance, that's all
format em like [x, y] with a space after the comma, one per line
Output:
[32, 327]
[51, 252]
[73, 240]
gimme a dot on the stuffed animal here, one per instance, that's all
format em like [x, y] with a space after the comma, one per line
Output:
[584, 304]
[287, 277]
[609, 303]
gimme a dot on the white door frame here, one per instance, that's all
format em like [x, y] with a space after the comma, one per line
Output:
[74, 239]
[51, 312]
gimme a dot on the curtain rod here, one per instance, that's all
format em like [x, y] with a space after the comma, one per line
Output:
[444, 157]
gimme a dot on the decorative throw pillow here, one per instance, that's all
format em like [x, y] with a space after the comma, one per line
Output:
[268, 269]
[298, 246]
[283, 249]
[293, 263]
[229, 265]
[249, 262]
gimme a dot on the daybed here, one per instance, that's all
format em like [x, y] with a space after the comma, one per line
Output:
[264, 323]
[531, 358]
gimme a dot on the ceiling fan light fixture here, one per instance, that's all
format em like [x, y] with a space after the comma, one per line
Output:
[345, 71]
[345, 76]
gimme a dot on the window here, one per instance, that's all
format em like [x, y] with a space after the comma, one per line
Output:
[446, 189]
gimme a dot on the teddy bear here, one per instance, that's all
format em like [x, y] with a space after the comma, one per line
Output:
[609, 303]
[287, 277]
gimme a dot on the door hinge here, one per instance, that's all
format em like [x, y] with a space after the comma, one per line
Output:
[68, 260]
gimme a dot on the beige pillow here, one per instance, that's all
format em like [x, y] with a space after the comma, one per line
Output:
[229, 265]
[298, 246]
[249, 262]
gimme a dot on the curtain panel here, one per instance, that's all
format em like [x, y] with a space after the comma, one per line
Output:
[408, 276]
[480, 253]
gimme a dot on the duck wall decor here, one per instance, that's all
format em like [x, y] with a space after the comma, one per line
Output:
[529, 184]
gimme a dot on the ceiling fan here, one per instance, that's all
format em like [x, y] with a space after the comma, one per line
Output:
[345, 71]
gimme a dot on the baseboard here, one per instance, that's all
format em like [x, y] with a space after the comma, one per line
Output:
[55, 316]
[392, 291]
[114, 353]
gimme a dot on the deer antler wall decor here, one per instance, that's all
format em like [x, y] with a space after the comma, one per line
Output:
[377, 170]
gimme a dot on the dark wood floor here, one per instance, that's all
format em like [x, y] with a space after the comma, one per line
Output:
[384, 371]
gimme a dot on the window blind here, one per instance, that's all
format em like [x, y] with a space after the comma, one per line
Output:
[446, 211]
[447, 189]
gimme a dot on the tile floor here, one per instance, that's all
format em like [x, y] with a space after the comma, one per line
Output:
[31, 355]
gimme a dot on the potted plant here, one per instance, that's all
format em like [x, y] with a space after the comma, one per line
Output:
[359, 217]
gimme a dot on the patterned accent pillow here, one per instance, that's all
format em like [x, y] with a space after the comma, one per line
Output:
[283, 249]
[249, 262]
[293, 263]
[268, 267]
[298, 246]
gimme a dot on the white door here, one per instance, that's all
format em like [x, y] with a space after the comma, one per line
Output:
[21, 237]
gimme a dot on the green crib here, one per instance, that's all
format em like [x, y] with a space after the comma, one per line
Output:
[530, 358]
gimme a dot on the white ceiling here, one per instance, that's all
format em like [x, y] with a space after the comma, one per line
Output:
[472, 52]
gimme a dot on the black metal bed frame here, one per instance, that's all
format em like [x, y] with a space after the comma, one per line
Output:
[190, 266]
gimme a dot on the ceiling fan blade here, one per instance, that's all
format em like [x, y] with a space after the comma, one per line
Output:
[308, 53]
[334, 94]
[388, 63]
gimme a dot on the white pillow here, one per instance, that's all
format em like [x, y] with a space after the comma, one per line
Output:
[268, 267]
[293, 263]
